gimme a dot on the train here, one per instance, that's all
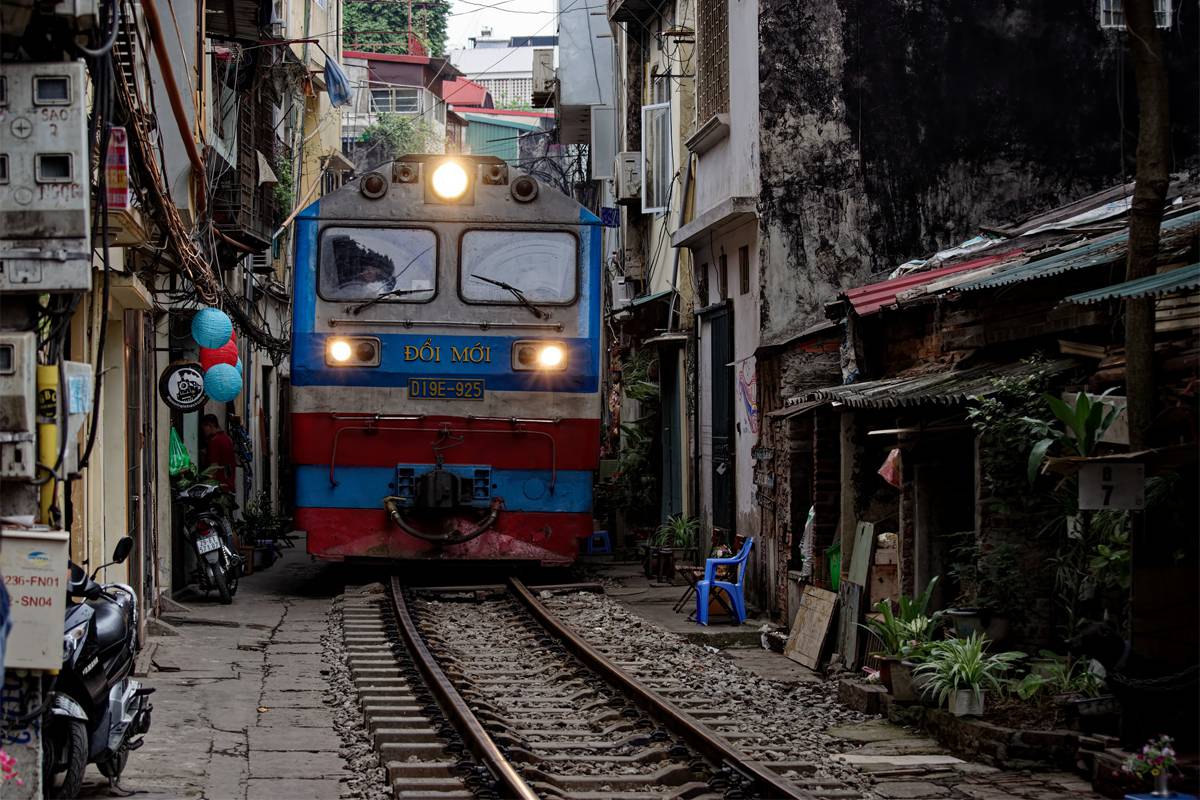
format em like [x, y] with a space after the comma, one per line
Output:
[445, 367]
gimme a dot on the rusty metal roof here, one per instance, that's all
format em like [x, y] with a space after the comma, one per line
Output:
[938, 388]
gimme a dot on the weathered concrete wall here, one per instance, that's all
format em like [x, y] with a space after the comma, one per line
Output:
[890, 128]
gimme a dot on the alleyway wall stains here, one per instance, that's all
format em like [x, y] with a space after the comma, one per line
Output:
[887, 131]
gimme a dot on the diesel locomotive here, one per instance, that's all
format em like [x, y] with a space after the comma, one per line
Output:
[445, 366]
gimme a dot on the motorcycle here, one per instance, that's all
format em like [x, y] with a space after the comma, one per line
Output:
[95, 713]
[210, 533]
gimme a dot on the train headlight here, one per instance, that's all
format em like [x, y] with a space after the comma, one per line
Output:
[449, 180]
[540, 356]
[339, 351]
[551, 357]
[353, 351]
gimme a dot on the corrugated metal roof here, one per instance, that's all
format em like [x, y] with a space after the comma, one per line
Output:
[939, 388]
[872, 297]
[1151, 286]
[1103, 250]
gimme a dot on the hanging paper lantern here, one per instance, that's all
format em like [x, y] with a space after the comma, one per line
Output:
[222, 383]
[211, 328]
[226, 354]
[232, 335]
[238, 365]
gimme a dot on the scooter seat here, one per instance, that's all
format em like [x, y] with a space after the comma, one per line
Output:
[110, 624]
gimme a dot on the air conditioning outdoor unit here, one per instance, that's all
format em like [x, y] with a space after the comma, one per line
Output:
[629, 177]
[543, 70]
[260, 263]
[622, 292]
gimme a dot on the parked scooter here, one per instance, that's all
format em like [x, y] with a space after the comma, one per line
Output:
[95, 713]
[209, 531]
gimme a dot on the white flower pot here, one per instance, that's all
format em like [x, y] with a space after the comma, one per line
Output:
[966, 703]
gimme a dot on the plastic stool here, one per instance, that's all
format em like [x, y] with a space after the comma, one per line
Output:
[599, 543]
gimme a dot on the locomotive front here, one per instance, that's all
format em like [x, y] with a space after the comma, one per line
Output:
[445, 365]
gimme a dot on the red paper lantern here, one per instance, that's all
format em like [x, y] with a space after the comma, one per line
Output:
[225, 354]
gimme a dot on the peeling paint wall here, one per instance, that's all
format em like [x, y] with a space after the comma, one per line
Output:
[891, 128]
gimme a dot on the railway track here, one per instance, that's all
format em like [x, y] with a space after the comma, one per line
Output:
[483, 692]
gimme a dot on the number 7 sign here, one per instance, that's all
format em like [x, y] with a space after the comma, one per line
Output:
[1121, 486]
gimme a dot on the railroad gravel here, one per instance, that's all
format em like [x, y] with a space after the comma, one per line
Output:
[785, 721]
[368, 778]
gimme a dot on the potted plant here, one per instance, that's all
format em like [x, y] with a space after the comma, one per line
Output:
[1155, 763]
[958, 672]
[677, 533]
[904, 635]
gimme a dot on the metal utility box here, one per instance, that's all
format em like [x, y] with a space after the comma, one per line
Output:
[629, 177]
[34, 564]
[45, 203]
[18, 385]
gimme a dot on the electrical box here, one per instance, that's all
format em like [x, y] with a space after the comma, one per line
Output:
[629, 178]
[34, 563]
[622, 292]
[18, 387]
[543, 70]
[45, 202]
[79, 393]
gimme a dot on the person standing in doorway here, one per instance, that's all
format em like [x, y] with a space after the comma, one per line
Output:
[218, 451]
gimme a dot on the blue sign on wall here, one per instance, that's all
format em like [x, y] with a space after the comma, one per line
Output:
[610, 217]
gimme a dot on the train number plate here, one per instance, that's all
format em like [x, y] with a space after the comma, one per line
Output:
[445, 389]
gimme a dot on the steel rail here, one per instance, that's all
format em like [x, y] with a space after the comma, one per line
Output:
[707, 742]
[468, 725]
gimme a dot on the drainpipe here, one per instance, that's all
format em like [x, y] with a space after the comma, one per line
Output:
[181, 121]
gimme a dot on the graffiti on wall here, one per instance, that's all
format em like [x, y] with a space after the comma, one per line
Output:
[747, 384]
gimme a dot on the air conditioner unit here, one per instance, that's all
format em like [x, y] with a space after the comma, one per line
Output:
[260, 263]
[622, 292]
[629, 177]
[543, 70]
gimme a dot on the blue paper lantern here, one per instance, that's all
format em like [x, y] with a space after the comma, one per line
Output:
[222, 382]
[211, 328]
[238, 366]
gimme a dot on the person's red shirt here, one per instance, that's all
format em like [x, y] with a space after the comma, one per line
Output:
[219, 451]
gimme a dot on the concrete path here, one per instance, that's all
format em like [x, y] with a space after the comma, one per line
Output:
[239, 712]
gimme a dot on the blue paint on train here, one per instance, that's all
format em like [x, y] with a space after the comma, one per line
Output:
[522, 489]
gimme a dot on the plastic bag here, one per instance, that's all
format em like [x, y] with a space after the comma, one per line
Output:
[890, 471]
[180, 459]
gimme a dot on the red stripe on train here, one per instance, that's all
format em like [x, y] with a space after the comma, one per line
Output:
[575, 443]
[341, 533]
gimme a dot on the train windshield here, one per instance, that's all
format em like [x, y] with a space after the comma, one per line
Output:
[541, 266]
[359, 264]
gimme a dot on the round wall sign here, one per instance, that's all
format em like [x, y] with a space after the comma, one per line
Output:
[181, 386]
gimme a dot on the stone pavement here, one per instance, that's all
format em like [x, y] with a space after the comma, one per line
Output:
[239, 711]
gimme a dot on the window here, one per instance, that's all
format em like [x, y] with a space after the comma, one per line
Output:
[722, 277]
[743, 270]
[541, 265]
[1112, 14]
[712, 35]
[396, 100]
[657, 169]
[705, 286]
[359, 264]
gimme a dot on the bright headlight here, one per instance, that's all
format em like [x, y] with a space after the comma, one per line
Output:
[449, 180]
[550, 357]
[339, 350]
[73, 637]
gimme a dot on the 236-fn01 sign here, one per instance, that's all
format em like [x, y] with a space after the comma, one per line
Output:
[1120, 486]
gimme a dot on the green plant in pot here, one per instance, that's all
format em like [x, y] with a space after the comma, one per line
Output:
[960, 671]
[904, 634]
[678, 533]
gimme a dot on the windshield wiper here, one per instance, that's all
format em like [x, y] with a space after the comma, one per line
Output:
[393, 293]
[517, 293]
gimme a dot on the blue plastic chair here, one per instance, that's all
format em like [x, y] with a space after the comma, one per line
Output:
[732, 590]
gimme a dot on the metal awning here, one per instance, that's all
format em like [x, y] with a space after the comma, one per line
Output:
[1102, 250]
[938, 388]
[1175, 280]
[650, 298]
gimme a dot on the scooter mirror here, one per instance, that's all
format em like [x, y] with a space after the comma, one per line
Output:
[123, 549]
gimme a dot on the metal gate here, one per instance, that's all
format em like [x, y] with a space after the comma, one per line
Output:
[720, 329]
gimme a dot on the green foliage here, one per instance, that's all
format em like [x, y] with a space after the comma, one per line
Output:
[991, 578]
[679, 532]
[284, 189]
[382, 27]
[963, 665]
[395, 135]
[1082, 428]
[1063, 676]
[259, 521]
[908, 633]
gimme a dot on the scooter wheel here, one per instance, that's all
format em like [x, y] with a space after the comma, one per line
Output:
[222, 586]
[70, 747]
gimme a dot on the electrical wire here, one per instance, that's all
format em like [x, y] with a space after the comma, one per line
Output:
[114, 26]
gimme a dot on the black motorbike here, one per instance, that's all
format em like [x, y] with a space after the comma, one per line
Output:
[95, 713]
[208, 529]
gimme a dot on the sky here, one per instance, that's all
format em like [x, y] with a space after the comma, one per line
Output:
[506, 18]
